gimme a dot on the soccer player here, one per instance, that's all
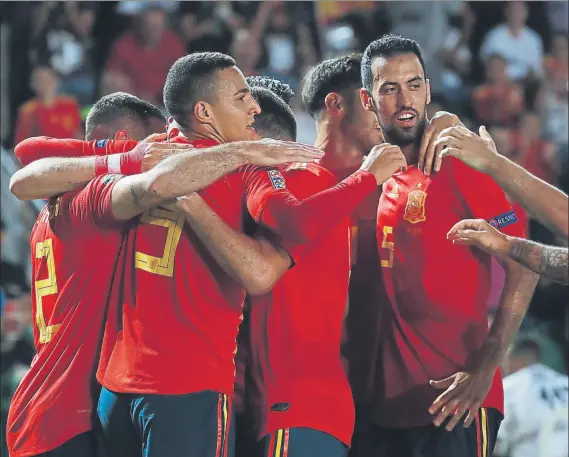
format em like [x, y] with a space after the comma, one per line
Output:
[346, 132]
[51, 412]
[439, 361]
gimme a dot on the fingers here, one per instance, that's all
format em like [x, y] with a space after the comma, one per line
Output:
[446, 411]
[458, 415]
[156, 137]
[424, 148]
[472, 412]
[449, 151]
[466, 225]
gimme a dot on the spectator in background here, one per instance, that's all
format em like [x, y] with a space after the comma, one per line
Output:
[140, 59]
[557, 63]
[246, 50]
[531, 392]
[12, 277]
[555, 112]
[48, 113]
[520, 46]
[498, 100]
[65, 43]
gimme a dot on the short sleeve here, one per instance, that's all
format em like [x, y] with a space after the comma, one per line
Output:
[485, 199]
[260, 185]
[93, 203]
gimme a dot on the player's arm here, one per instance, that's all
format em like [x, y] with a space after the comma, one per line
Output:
[548, 261]
[480, 153]
[465, 391]
[256, 263]
[191, 171]
[273, 205]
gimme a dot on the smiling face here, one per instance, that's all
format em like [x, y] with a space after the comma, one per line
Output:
[234, 110]
[400, 94]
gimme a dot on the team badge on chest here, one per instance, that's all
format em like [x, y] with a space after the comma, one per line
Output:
[415, 208]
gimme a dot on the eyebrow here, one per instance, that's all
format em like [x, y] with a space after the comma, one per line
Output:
[393, 83]
[245, 90]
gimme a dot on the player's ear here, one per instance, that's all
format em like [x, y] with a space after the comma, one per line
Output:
[334, 102]
[203, 112]
[428, 89]
[367, 100]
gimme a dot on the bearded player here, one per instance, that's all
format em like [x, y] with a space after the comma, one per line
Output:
[439, 361]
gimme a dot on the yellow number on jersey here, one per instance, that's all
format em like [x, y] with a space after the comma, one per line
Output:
[43, 287]
[174, 222]
[387, 245]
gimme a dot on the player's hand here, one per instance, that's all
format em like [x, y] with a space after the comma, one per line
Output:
[463, 394]
[383, 161]
[268, 152]
[153, 153]
[478, 152]
[479, 233]
[429, 151]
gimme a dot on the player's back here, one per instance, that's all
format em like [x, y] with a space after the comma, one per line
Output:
[73, 252]
[296, 329]
[179, 312]
[532, 395]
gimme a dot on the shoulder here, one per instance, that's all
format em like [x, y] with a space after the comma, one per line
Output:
[65, 100]
[532, 35]
[28, 107]
[308, 169]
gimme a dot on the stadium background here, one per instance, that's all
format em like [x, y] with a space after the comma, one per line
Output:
[66, 54]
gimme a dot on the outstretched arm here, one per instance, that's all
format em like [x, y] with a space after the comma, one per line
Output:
[256, 263]
[543, 201]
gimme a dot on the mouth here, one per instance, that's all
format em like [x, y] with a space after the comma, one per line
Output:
[406, 119]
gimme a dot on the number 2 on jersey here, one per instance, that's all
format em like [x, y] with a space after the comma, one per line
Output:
[44, 287]
[387, 230]
[174, 223]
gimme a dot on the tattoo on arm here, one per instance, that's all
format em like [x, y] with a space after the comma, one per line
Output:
[134, 195]
[548, 261]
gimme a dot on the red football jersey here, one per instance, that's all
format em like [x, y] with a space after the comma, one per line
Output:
[74, 244]
[437, 313]
[296, 328]
[172, 328]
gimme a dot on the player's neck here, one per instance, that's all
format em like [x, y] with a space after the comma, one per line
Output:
[47, 99]
[192, 135]
[411, 153]
[340, 152]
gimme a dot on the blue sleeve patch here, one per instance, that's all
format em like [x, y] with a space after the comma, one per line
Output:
[277, 179]
[503, 220]
[101, 143]
[107, 179]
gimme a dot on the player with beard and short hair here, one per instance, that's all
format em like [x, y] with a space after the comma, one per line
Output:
[437, 356]
[346, 132]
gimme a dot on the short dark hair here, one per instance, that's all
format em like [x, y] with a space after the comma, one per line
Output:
[387, 46]
[121, 105]
[276, 119]
[280, 89]
[333, 75]
[193, 78]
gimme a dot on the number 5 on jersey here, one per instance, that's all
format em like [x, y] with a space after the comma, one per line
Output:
[385, 244]
[44, 287]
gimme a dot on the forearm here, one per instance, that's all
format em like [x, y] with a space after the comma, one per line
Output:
[192, 171]
[514, 302]
[548, 261]
[543, 201]
[52, 176]
[306, 220]
[253, 263]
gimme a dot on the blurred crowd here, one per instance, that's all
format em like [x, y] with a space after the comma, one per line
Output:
[500, 64]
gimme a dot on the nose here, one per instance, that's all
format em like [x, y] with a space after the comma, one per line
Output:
[255, 108]
[405, 97]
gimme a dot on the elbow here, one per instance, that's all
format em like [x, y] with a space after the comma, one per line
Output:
[261, 282]
[20, 188]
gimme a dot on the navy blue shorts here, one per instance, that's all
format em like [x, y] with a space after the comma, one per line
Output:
[303, 442]
[192, 425]
[84, 444]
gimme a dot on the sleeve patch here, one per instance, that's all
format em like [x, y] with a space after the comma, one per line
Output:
[504, 220]
[277, 179]
[107, 179]
[101, 143]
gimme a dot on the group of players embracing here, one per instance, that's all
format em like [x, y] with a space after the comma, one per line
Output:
[221, 290]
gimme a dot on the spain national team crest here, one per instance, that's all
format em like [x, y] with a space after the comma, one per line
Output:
[415, 209]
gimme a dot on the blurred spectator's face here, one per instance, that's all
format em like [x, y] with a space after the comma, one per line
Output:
[153, 24]
[85, 22]
[361, 125]
[531, 126]
[400, 94]
[503, 138]
[44, 82]
[560, 46]
[233, 113]
[245, 49]
[516, 14]
[495, 69]
[280, 20]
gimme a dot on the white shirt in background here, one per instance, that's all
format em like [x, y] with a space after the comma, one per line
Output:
[534, 399]
[451, 79]
[522, 52]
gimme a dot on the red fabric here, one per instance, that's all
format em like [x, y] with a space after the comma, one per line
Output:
[296, 328]
[40, 147]
[61, 120]
[145, 67]
[54, 402]
[303, 220]
[534, 161]
[174, 331]
[437, 314]
[497, 104]
[362, 325]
